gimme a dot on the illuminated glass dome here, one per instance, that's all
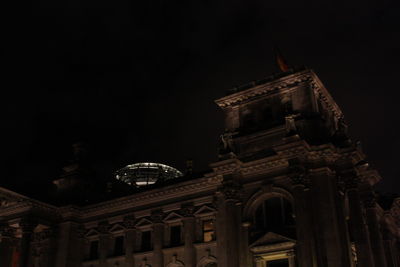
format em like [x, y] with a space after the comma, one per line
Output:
[146, 173]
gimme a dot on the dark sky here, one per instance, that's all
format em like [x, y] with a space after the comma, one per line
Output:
[136, 80]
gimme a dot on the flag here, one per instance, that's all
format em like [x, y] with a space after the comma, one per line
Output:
[280, 60]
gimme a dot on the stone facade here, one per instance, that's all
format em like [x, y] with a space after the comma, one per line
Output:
[290, 189]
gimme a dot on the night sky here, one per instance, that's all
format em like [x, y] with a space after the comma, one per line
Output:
[136, 80]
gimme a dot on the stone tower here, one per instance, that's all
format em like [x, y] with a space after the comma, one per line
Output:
[287, 136]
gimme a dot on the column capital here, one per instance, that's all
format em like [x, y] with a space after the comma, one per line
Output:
[157, 217]
[103, 227]
[231, 191]
[129, 222]
[187, 211]
[299, 174]
[81, 232]
[369, 200]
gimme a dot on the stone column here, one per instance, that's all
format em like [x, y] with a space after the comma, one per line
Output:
[189, 235]
[228, 224]
[104, 243]
[259, 262]
[329, 235]
[27, 227]
[158, 239]
[245, 256]
[130, 240]
[374, 231]
[291, 259]
[6, 245]
[356, 222]
[388, 244]
[305, 239]
[82, 241]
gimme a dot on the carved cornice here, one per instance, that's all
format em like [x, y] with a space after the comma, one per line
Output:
[152, 196]
[279, 85]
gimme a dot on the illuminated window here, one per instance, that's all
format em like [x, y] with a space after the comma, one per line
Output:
[208, 231]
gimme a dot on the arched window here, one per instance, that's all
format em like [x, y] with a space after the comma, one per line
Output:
[274, 215]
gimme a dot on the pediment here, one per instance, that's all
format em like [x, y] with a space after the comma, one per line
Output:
[173, 216]
[271, 238]
[9, 198]
[144, 222]
[92, 232]
[204, 210]
[117, 228]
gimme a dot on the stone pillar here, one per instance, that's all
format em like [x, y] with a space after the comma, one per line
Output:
[259, 262]
[245, 256]
[388, 244]
[329, 235]
[356, 222]
[305, 239]
[104, 243]
[228, 224]
[82, 241]
[27, 227]
[189, 235]
[7, 244]
[158, 239]
[291, 259]
[374, 231]
[68, 254]
[130, 240]
[44, 248]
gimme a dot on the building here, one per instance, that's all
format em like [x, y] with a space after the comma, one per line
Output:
[289, 189]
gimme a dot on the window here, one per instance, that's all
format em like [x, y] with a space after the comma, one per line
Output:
[119, 246]
[208, 231]
[146, 240]
[274, 215]
[175, 235]
[278, 263]
[94, 250]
